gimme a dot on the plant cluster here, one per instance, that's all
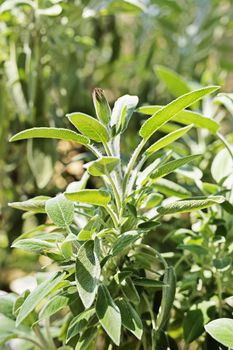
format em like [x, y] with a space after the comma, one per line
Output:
[106, 285]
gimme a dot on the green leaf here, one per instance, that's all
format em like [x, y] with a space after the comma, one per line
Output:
[166, 113]
[87, 339]
[222, 165]
[130, 291]
[169, 167]
[108, 314]
[6, 305]
[168, 139]
[185, 117]
[89, 127]
[174, 82]
[194, 249]
[95, 197]
[102, 109]
[222, 331]
[102, 166]
[88, 230]
[125, 240]
[223, 264]
[122, 112]
[188, 205]
[168, 296]
[130, 318]
[60, 210]
[87, 273]
[78, 323]
[170, 188]
[193, 325]
[38, 294]
[51, 133]
[33, 245]
[36, 204]
[54, 305]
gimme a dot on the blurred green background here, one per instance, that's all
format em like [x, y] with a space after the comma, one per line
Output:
[53, 53]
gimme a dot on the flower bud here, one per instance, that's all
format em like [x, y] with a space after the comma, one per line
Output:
[102, 108]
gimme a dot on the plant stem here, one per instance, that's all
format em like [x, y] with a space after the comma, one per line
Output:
[31, 340]
[132, 162]
[219, 287]
[48, 333]
[153, 323]
[40, 336]
[112, 214]
[116, 193]
[107, 149]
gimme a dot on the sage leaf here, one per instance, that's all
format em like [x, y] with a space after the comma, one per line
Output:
[185, 117]
[78, 323]
[122, 112]
[174, 82]
[193, 325]
[95, 197]
[102, 166]
[51, 133]
[54, 305]
[169, 167]
[222, 331]
[34, 245]
[108, 314]
[130, 318]
[168, 295]
[170, 188]
[60, 210]
[89, 127]
[168, 139]
[124, 241]
[166, 113]
[35, 205]
[38, 294]
[188, 205]
[87, 273]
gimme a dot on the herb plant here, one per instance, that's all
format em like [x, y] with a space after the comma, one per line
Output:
[106, 285]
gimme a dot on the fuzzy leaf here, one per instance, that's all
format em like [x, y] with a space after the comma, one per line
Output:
[193, 325]
[174, 82]
[87, 273]
[51, 133]
[188, 205]
[102, 166]
[33, 245]
[222, 331]
[169, 167]
[89, 127]
[124, 241]
[167, 112]
[38, 294]
[54, 305]
[185, 117]
[60, 210]
[78, 323]
[170, 188]
[130, 318]
[95, 197]
[168, 139]
[108, 314]
[122, 111]
[36, 204]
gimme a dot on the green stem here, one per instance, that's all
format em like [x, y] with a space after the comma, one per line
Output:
[107, 149]
[116, 193]
[153, 323]
[31, 340]
[40, 336]
[113, 217]
[49, 336]
[132, 162]
[219, 287]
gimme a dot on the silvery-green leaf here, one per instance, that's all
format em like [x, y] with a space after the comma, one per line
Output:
[36, 204]
[222, 331]
[130, 318]
[122, 112]
[102, 166]
[60, 210]
[95, 197]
